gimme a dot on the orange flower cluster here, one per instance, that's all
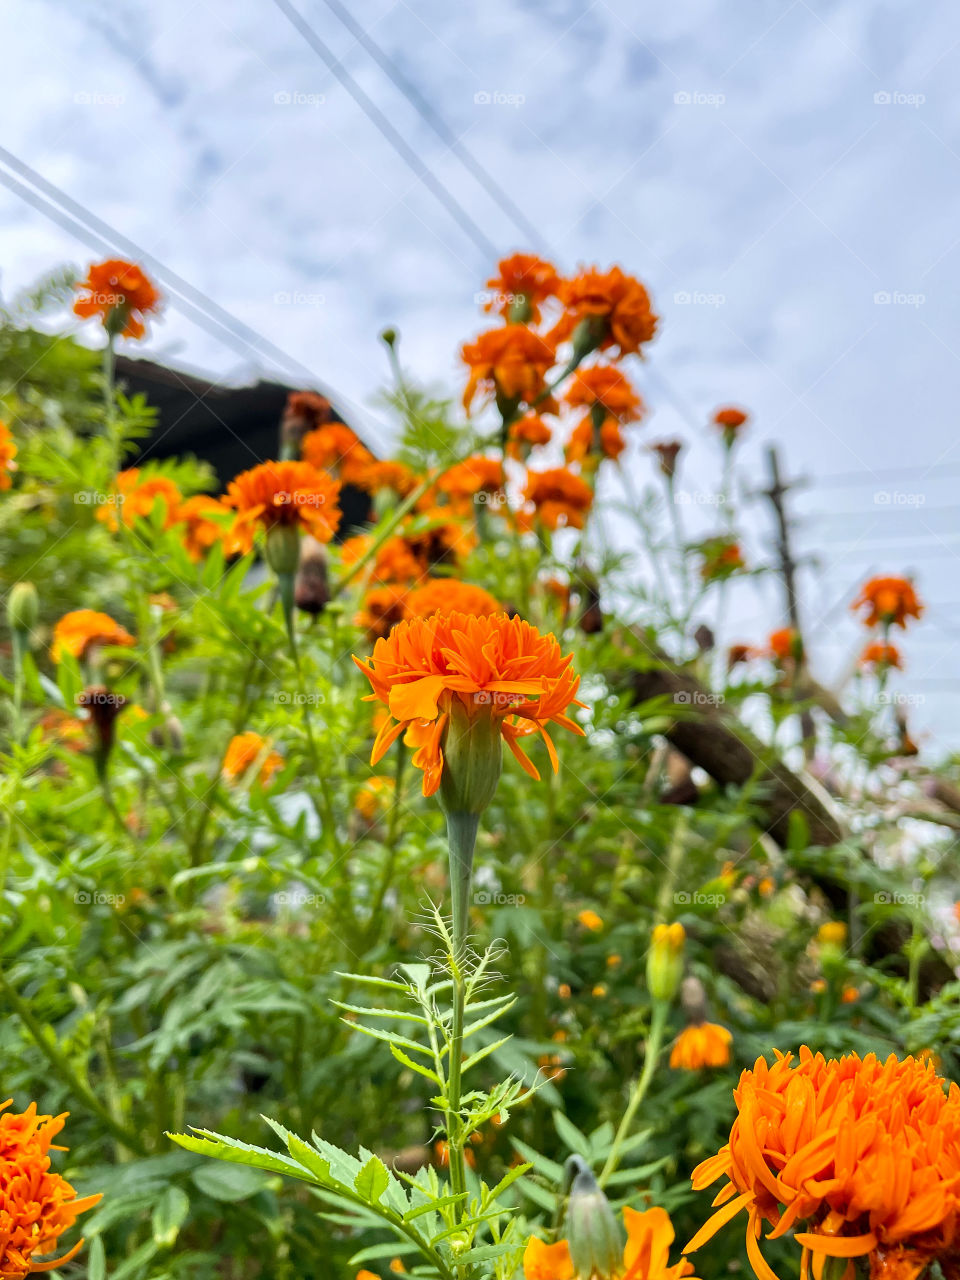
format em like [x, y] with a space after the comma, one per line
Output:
[521, 284]
[863, 1155]
[476, 475]
[888, 602]
[527, 433]
[284, 493]
[646, 1255]
[8, 451]
[492, 665]
[560, 497]
[510, 363]
[82, 630]
[334, 447]
[615, 306]
[120, 294]
[36, 1205]
[205, 520]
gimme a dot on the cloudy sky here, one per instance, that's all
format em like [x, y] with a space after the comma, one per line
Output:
[784, 176]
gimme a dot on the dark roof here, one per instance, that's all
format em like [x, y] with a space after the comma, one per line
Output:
[231, 428]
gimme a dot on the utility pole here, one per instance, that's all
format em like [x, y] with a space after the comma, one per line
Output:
[775, 493]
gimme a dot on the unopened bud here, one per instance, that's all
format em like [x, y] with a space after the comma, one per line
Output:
[665, 960]
[389, 336]
[23, 607]
[472, 757]
[596, 1246]
[283, 549]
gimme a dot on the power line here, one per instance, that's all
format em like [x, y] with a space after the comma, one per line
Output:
[396, 140]
[869, 476]
[436, 122]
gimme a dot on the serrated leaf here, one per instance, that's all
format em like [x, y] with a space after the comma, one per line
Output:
[236, 1152]
[372, 1181]
[414, 1066]
[388, 1037]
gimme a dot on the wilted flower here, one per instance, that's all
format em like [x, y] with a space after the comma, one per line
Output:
[36, 1205]
[83, 630]
[8, 451]
[888, 601]
[120, 294]
[476, 679]
[667, 452]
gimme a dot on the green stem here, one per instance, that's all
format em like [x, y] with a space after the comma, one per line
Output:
[653, 1046]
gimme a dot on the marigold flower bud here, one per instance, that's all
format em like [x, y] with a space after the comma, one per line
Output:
[23, 607]
[596, 1244]
[283, 549]
[472, 757]
[665, 960]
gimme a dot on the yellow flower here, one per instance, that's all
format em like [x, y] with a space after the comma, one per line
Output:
[590, 920]
[833, 933]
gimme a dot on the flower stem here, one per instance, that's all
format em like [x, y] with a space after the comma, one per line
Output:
[654, 1042]
[462, 837]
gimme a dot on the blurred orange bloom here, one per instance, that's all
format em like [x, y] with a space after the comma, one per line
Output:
[375, 476]
[583, 439]
[438, 536]
[478, 474]
[36, 1205]
[336, 448]
[284, 493]
[616, 304]
[250, 748]
[646, 1255]
[560, 497]
[786, 643]
[136, 499]
[720, 558]
[864, 1154]
[890, 601]
[703, 1044]
[522, 279]
[493, 666]
[510, 362]
[203, 517]
[590, 920]
[879, 654]
[383, 608]
[374, 796]
[526, 432]
[605, 385]
[81, 630]
[8, 451]
[394, 561]
[730, 419]
[120, 294]
[447, 595]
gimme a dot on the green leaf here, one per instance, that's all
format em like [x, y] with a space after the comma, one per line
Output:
[236, 1152]
[372, 1181]
[170, 1214]
[96, 1260]
[541, 1164]
[414, 1066]
[571, 1135]
[227, 1184]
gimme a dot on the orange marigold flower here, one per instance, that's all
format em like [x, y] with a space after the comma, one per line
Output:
[616, 306]
[82, 630]
[889, 601]
[203, 518]
[373, 797]
[394, 561]
[36, 1205]
[120, 294]
[786, 643]
[478, 474]
[560, 497]
[730, 419]
[720, 559]
[582, 441]
[136, 499]
[336, 448]
[284, 493]
[246, 749]
[492, 666]
[8, 451]
[438, 536]
[510, 362]
[646, 1255]
[526, 432]
[447, 595]
[702, 1044]
[375, 476]
[383, 608]
[881, 655]
[604, 384]
[864, 1155]
[522, 283]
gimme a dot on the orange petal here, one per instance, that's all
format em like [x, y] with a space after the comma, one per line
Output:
[718, 1220]
[417, 700]
[837, 1246]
